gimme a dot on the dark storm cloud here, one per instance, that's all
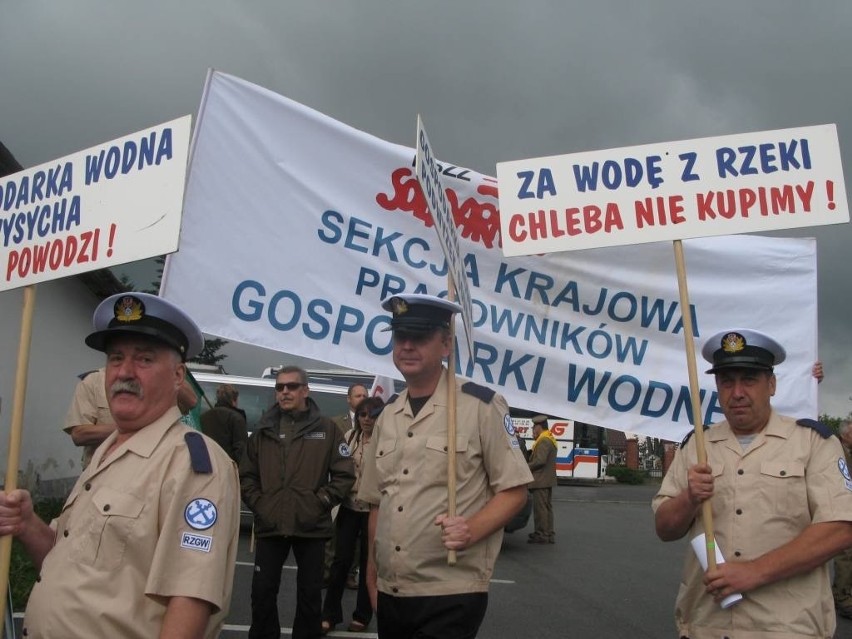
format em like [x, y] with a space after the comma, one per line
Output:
[493, 81]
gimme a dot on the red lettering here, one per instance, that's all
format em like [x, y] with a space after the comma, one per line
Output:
[476, 221]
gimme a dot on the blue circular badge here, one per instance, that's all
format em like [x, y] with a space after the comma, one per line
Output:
[509, 425]
[844, 468]
[200, 513]
[344, 450]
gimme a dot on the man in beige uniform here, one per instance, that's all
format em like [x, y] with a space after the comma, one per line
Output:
[88, 420]
[405, 480]
[146, 542]
[782, 506]
[842, 585]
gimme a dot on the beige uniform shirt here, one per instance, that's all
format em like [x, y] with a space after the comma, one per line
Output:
[405, 473]
[137, 529]
[89, 406]
[788, 478]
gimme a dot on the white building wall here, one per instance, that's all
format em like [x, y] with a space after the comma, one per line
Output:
[62, 319]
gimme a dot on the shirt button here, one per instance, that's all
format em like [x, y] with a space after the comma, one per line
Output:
[88, 486]
[737, 553]
[38, 579]
[106, 508]
[25, 632]
[783, 473]
[381, 452]
[739, 511]
[398, 549]
[399, 509]
[410, 434]
[64, 533]
[740, 471]
[395, 589]
[445, 449]
[405, 472]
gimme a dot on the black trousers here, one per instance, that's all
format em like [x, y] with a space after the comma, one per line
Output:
[438, 617]
[350, 529]
[269, 558]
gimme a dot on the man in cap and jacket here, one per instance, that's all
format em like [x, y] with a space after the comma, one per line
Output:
[781, 496]
[542, 463]
[404, 478]
[146, 542]
[296, 468]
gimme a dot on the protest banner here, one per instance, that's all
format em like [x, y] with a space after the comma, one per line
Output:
[296, 226]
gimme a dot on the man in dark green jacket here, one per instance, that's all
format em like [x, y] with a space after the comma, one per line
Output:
[295, 470]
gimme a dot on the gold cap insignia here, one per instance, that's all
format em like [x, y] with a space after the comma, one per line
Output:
[399, 306]
[733, 343]
[129, 309]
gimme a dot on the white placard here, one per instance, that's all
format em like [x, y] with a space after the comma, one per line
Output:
[117, 202]
[429, 176]
[764, 181]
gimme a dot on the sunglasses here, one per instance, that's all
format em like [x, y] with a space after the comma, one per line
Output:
[290, 386]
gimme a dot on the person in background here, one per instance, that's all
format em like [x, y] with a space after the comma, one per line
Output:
[413, 589]
[225, 423]
[841, 587]
[355, 394]
[542, 464]
[88, 420]
[781, 497]
[351, 530]
[295, 469]
[146, 543]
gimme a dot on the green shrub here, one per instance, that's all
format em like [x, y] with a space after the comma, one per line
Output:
[624, 475]
[22, 573]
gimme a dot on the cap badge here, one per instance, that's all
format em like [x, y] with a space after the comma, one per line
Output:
[399, 306]
[733, 343]
[129, 309]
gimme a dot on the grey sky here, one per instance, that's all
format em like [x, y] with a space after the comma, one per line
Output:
[493, 81]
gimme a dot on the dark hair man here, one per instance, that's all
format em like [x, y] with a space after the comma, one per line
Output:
[405, 479]
[296, 468]
[782, 505]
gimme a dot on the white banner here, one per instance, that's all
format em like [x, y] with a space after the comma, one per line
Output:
[763, 181]
[111, 204]
[296, 226]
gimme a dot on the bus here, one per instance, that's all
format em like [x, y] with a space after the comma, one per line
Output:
[578, 452]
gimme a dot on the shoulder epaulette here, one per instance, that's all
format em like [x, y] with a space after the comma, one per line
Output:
[823, 430]
[391, 399]
[83, 376]
[199, 456]
[482, 393]
[690, 434]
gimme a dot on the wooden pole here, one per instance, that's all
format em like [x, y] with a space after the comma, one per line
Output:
[689, 344]
[15, 431]
[451, 421]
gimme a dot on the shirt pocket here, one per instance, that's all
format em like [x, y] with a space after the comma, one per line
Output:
[783, 486]
[435, 459]
[388, 454]
[107, 529]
